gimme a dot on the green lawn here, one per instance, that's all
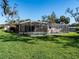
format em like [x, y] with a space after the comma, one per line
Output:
[64, 46]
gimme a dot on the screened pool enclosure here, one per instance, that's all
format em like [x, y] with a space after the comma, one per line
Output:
[42, 28]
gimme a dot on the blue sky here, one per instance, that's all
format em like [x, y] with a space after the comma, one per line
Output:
[34, 9]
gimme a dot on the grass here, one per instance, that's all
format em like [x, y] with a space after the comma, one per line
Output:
[13, 46]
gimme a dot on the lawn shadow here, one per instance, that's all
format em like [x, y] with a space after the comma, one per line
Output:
[73, 40]
[15, 37]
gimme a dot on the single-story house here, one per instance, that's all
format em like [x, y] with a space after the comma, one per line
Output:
[37, 28]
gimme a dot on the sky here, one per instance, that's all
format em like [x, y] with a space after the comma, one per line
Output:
[34, 9]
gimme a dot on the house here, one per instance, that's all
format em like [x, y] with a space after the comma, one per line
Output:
[42, 28]
[37, 28]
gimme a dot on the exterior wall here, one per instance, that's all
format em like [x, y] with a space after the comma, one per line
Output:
[10, 27]
[7, 28]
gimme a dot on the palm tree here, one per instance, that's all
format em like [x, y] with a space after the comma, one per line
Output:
[64, 20]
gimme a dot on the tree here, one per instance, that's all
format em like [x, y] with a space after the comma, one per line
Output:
[9, 12]
[57, 21]
[75, 15]
[44, 18]
[67, 21]
[64, 19]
